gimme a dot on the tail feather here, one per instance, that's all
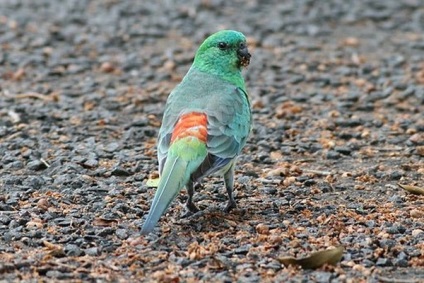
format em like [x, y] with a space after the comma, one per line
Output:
[174, 177]
[186, 153]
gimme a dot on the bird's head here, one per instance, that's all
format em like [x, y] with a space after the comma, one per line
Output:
[225, 50]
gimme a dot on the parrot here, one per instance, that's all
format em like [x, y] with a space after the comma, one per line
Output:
[205, 125]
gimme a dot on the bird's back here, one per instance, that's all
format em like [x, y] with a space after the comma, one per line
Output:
[225, 105]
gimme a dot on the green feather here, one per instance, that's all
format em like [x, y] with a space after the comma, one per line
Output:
[184, 157]
[223, 64]
[214, 86]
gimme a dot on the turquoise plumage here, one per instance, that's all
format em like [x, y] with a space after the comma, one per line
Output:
[205, 125]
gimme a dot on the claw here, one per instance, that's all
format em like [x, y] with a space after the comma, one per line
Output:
[230, 205]
[191, 207]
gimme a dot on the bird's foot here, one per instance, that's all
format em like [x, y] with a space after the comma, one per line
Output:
[191, 209]
[198, 186]
[187, 213]
[230, 205]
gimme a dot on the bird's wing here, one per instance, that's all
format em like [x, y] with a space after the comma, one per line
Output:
[228, 119]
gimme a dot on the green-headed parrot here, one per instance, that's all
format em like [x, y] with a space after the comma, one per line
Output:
[206, 122]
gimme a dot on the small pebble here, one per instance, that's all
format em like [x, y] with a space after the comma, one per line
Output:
[72, 250]
[383, 262]
[416, 232]
[262, 229]
[36, 165]
[43, 204]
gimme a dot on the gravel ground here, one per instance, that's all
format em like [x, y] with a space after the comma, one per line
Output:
[337, 89]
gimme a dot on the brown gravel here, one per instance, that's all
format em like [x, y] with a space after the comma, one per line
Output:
[337, 90]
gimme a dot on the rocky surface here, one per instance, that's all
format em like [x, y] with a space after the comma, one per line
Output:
[337, 90]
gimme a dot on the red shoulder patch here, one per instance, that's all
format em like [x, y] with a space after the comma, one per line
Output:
[193, 124]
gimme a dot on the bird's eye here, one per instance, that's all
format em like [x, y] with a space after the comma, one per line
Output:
[222, 45]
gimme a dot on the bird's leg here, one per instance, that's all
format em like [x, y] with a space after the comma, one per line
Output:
[229, 184]
[190, 205]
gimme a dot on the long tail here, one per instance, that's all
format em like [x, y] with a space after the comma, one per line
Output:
[186, 153]
[173, 179]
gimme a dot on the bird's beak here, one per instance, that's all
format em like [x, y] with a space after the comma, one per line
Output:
[244, 56]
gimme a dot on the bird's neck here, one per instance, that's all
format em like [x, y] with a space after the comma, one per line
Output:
[232, 75]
